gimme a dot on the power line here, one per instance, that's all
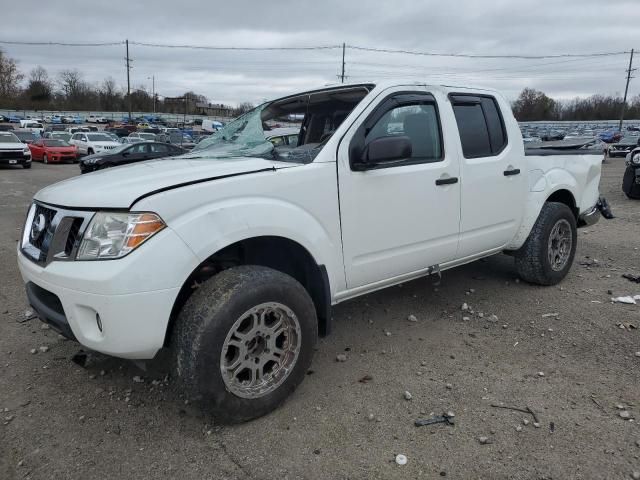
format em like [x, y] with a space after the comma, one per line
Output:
[61, 44]
[207, 47]
[321, 47]
[470, 55]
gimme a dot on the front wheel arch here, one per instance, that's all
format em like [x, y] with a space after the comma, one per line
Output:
[277, 253]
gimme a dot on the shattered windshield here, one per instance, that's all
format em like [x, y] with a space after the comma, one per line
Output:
[321, 112]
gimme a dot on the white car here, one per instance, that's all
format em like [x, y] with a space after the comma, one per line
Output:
[147, 137]
[32, 125]
[97, 119]
[232, 255]
[89, 143]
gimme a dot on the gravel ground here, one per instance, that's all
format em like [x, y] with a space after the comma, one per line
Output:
[576, 369]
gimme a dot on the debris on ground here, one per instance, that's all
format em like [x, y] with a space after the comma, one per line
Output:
[630, 300]
[625, 414]
[44, 349]
[547, 315]
[28, 315]
[401, 459]
[138, 379]
[366, 379]
[484, 440]
[517, 409]
[631, 277]
[33, 351]
[407, 395]
[412, 318]
[341, 357]
[444, 418]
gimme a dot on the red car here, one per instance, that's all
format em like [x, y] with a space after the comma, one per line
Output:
[51, 150]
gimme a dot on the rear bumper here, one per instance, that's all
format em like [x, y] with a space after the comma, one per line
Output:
[590, 217]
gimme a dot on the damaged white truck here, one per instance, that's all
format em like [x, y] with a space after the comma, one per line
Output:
[232, 255]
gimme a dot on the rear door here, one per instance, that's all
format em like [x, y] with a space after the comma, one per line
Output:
[403, 217]
[493, 177]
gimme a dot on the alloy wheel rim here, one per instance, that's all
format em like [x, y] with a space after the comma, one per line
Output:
[260, 350]
[560, 245]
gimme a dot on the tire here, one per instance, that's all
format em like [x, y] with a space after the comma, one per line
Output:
[205, 329]
[533, 259]
[89, 151]
[26, 165]
[44, 158]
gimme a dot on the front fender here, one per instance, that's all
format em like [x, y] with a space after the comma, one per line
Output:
[212, 227]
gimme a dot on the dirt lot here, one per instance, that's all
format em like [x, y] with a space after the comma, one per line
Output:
[574, 369]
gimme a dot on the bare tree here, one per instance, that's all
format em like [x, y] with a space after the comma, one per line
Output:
[10, 78]
[39, 91]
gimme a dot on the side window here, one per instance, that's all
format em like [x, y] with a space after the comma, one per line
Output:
[156, 148]
[482, 132]
[137, 148]
[417, 120]
[293, 140]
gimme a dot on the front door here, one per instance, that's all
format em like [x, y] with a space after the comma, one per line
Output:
[400, 217]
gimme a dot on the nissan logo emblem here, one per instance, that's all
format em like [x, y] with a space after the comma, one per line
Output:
[38, 226]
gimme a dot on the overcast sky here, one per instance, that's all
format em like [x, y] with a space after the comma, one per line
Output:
[523, 27]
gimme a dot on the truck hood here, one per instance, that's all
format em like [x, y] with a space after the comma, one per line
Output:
[12, 146]
[120, 187]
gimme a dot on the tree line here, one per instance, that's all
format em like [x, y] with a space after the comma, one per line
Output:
[533, 105]
[68, 90]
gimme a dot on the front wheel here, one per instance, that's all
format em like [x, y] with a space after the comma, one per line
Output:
[243, 342]
[44, 158]
[89, 151]
[547, 255]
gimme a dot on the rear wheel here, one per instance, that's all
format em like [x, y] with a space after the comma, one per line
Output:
[547, 255]
[243, 342]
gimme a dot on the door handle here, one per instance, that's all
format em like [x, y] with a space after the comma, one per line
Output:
[447, 181]
[514, 171]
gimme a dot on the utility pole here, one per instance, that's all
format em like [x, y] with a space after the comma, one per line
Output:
[128, 80]
[626, 90]
[153, 91]
[342, 74]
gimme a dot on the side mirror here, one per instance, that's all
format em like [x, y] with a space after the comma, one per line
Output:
[387, 149]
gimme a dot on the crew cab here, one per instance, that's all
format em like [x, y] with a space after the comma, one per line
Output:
[232, 255]
[89, 143]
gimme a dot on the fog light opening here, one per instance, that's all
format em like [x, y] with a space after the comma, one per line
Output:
[99, 322]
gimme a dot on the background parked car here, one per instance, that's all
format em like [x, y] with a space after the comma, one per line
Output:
[53, 151]
[283, 136]
[64, 136]
[89, 143]
[26, 136]
[126, 154]
[623, 146]
[131, 140]
[177, 138]
[119, 131]
[148, 137]
[13, 151]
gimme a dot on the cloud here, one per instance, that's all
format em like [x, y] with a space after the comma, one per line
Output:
[463, 26]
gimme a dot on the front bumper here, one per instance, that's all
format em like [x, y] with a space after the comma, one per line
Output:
[117, 307]
[16, 160]
[590, 217]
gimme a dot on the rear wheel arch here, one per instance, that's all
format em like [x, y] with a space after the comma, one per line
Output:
[565, 197]
[277, 253]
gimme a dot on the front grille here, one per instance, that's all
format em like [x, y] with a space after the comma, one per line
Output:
[109, 147]
[42, 241]
[11, 153]
[53, 233]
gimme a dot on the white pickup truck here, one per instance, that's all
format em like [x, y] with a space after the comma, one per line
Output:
[232, 255]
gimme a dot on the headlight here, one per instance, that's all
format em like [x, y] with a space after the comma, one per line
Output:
[26, 150]
[636, 159]
[113, 235]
